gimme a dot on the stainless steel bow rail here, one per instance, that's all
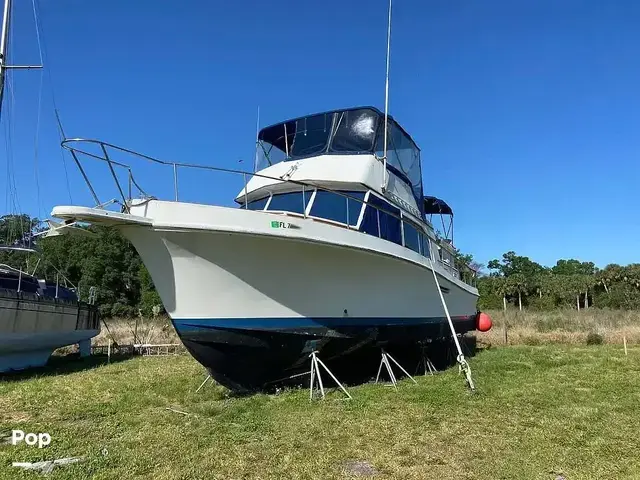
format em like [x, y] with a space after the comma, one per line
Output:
[78, 147]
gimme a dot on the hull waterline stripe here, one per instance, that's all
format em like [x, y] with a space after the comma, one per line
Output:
[185, 324]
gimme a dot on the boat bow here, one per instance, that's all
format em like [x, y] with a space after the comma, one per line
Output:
[100, 216]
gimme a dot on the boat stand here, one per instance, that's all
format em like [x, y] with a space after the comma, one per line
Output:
[385, 361]
[428, 365]
[205, 381]
[316, 363]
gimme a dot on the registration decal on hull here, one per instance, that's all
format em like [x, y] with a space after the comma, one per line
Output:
[275, 224]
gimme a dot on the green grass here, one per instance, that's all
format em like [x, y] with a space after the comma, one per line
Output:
[540, 412]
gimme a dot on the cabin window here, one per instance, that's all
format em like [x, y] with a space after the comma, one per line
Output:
[382, 223]
[336, 207]
[290, 202]
[257, 204]
[411, 237]
[447, 258]
[390, 228]
[11, 280]
[438, 251]
[426, 251]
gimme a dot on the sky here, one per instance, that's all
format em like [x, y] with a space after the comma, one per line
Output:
[527, 113]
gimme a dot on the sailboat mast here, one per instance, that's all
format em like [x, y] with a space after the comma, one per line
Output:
[3, 47]
[4, 40]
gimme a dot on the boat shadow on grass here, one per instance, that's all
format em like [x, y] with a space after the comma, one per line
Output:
[63, 365]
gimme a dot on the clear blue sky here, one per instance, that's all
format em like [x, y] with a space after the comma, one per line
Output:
[527, 112]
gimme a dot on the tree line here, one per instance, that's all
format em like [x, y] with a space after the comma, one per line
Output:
[519, 281]
[106, 260]
[103, 259]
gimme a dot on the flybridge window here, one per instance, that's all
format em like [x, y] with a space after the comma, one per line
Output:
[341, 132]
[348, 131]
[403, 157]
[309, 135]
[355, 131]
[294, 139]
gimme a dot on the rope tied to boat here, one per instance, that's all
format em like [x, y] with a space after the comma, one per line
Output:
[462, 361]
[464, 366]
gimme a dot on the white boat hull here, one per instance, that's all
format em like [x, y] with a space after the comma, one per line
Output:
[250, 299]
[227, 276]
[31, 329]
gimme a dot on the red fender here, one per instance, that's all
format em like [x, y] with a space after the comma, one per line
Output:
[483, 322]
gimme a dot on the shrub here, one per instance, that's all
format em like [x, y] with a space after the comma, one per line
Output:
[531, 340]
[116, 309]
[545, 303]
[594, 338]
[623, 297]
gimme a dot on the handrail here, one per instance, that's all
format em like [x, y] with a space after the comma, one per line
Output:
[68, 144]
[65, 144]
[17, 270]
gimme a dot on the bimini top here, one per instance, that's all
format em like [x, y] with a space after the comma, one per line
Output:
[434, 205]
[351, 131]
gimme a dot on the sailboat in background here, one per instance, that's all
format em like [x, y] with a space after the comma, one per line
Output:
[37, 316]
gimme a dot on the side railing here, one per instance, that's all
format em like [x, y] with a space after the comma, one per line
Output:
[103, 155]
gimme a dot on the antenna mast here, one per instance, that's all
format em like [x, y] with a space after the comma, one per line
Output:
[255, 160]
[386, 104]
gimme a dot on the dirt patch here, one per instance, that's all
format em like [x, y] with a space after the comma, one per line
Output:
[359, 468]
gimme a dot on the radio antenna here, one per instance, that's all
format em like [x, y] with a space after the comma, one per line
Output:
[386, 104]
[255, 160]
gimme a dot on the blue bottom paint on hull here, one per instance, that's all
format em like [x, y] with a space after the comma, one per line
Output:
[250, 354]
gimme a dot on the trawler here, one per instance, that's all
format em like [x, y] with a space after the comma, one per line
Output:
[329, 249]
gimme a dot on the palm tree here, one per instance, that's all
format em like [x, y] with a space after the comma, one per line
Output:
[503, 288]
[588, 282]
[632, 274]
[577, 284]
[518, 284]
[611, 274]
[601, 279]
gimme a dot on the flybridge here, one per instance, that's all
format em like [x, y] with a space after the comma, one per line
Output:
[354, 131]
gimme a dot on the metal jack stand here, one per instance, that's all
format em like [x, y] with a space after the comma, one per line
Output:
[315, 375]
[205, 381]
[385, 361]
[425, 361]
